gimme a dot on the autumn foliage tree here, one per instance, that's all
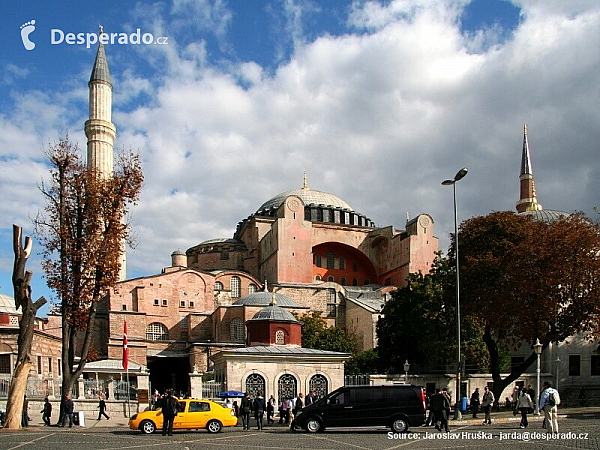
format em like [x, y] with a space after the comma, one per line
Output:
[82, 231]
[527, 280]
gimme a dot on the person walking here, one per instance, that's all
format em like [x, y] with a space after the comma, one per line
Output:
[524, 406]
[246, 407]
[68, 408]
[284, 412]
[299, 404]
[169, 412]
[475, 402]
[439, 406]
[25, 413]
[271, 409]
[487, 403]
[259, 410]
[102, 409]
[47, 412]
[310, 398]
[549, 401]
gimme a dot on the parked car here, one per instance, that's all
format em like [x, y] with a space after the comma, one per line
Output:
[193, 414]
[398, 407]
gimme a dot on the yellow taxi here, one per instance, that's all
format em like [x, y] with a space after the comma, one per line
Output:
[193, 414]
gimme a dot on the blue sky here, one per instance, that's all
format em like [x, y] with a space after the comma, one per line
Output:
[378, 102]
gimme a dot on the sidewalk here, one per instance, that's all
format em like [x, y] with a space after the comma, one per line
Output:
[507, 416]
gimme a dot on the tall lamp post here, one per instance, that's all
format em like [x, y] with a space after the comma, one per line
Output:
[459, 176]
[406, 367]
[537, 347]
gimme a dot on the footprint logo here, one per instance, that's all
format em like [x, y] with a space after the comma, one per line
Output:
[26, 30]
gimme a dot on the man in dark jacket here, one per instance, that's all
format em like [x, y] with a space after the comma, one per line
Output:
[102, 409]
[47, 412]
[440, 406]
[68, 408]
[259, 410]
[169, 411]
[245, 408]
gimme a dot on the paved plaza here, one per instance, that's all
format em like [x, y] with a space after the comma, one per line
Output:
[580, 429]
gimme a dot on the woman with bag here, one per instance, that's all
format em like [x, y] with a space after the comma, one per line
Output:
[524, 405]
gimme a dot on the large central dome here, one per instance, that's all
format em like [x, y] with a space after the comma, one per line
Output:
[309, 197]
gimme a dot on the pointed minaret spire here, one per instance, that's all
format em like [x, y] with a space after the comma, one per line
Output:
[304, 181]
[528, 200]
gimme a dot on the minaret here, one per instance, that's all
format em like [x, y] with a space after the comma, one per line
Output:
[99, 129]
[528, 200]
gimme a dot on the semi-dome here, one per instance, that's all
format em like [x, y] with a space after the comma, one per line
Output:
[7, 305]
[274, 313]
[265, 299]
[545, 215]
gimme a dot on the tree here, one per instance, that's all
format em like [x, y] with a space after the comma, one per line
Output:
[82, 233]
[365, 362]
[418, 324]
[22, 290]
[528, 280]
[316, 334]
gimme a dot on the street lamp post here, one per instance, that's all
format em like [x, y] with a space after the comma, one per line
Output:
[459, 176]
[406, 367]
[537, 347]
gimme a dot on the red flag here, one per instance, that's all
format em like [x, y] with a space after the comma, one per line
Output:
[125, 348]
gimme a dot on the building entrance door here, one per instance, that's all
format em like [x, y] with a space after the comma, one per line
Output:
[168, 372]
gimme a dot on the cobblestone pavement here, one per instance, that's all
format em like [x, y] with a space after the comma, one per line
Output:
[580, 430]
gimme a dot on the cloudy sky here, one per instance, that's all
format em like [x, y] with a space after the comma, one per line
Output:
[378, 101]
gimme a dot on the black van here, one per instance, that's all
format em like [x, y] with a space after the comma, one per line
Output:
[398, 407]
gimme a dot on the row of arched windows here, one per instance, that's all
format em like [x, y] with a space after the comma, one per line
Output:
[343, 280]
[287, 386]
[235, 287]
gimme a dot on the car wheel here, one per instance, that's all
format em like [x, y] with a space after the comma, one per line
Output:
[399, 425]
[214, 426]
[147, 427]
[313, 425]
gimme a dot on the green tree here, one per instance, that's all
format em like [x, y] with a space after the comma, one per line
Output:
[316, 334]
[418, 324]
[528, 280]
[366, 362]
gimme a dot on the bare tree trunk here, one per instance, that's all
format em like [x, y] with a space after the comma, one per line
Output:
[22, 292]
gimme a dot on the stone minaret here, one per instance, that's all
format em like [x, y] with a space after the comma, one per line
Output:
[528, 200]
[99, 129]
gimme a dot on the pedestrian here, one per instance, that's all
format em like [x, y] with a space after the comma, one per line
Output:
[25, 413]
[47, 412]
[102, 409]
[524, 405]
[299, 404]
[236, 408]
[246, 407]
[475, 402]
[431, 417]
[440, 405]
[271, 409]
[283, 411]
[515, 396]
[487, 403]
[169, 412]
[549, 401]
[68, 408]
[259, 410]
[310, 398]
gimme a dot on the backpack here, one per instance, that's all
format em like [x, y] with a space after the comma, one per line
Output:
[553, 398]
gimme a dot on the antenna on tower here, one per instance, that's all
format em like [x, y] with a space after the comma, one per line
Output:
[101, 29]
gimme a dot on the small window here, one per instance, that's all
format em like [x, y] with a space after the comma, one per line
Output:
[235, 287]
[342, 263]
[330, 260]
[280, 337]
[39, 365]
[318, 261]
[156, 302]
[354, 282]
[343, 281]
[124, 307]
[5, 363]
[251, 288]
[58, 365]
[367, 281]
[182, 303]
[50, 366]
[330, 278]
[318, 278]
[157, 332]
[595, 365]
[218, 286]
[574, 365]
[164, 302]
[14, 321]
[191, 304]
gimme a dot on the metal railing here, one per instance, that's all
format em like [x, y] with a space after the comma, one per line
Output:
[357, 380]
[211, 389]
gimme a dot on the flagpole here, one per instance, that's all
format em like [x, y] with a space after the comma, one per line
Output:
[128, 393]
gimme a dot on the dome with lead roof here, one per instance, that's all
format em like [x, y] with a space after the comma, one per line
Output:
[309, 197]
[265, 299]
[274, 313]
[545, 215]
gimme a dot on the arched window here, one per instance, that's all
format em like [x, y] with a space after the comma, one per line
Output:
[218, 286]
[235, 287]
[318, 278]
[287, 387]
[255, 383]
[318, 384]
[280, 337]
[330, 278]
[236, 330]
[157, 332]
[251, 288]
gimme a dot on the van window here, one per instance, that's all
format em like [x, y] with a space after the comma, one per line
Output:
[340, 399]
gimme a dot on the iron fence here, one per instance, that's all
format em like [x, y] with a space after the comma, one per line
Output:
[357, 380]
[211, 389]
